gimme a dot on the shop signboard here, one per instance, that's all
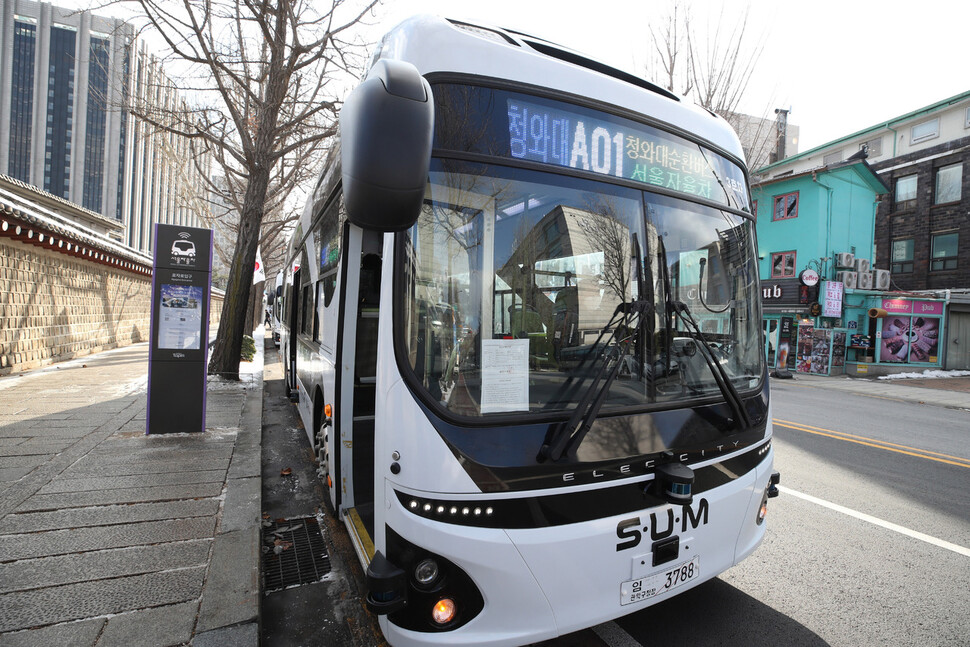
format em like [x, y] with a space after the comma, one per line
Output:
[897, 306]
[804, 348]
[908, 306]
[820, 350]
[784, 341]
[928, 308]
[831, 298]
[789, 293]
[910, 332]
[179, 348]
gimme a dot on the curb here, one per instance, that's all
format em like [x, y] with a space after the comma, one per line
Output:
[886, 389]
[229, 612]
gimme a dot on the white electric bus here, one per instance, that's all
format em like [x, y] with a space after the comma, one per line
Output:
[522, 323]
[275, 305]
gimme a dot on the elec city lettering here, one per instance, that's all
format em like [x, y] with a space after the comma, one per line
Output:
[552, 136]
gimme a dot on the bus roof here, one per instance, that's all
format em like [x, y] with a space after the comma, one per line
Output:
[502, 54]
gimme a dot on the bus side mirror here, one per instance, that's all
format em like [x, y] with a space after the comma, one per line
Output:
[386, 126]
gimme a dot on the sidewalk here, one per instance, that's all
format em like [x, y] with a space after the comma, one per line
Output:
[111, 537]
[952, 392]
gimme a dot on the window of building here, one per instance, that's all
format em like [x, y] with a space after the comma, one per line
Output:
[783, 265]
[96, 124]
[948, 181]
[926, 130]
[905, 192]
[21, 100]
[832, 158]
[873, 147]
[944, 252]
[902, 256]
[62, 61]
[966, 120]
[786, 206]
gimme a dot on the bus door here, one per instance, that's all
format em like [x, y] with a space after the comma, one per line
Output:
[293, 299]
[359, 386]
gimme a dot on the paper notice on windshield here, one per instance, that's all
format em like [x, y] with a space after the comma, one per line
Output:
[505, 375]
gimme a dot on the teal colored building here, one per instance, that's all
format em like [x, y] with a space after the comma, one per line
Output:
[809, 222]
[815, 215]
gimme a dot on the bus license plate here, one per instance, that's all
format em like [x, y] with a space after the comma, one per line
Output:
[659, 583]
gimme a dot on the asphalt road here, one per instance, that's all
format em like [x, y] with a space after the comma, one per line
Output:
[869, 543]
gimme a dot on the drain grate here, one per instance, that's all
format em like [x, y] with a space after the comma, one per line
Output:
[302, 558]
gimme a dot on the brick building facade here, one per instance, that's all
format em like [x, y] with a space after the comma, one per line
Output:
[923, 225]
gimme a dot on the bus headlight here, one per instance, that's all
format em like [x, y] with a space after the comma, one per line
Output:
[426, 573]
[762, 511]
[444, 611]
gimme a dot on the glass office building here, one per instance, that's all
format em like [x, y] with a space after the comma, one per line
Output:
[65, 78]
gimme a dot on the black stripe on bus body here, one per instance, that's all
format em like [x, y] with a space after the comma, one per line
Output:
[504, 458]
[573, 507]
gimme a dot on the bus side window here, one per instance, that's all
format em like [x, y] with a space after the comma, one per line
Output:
[316, 314]
[306, 308]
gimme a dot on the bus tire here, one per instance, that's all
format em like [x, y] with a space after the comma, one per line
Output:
[320, 447]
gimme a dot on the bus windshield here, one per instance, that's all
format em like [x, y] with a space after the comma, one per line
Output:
[522, 288]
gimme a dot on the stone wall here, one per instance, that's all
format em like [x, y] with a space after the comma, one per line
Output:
[55, 307]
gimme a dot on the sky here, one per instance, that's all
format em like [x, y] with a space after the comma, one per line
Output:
[839, 66]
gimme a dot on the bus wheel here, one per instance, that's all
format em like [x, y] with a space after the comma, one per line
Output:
[320, 446]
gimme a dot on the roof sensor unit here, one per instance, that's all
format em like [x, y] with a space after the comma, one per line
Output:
[596, 66]
[484, 32]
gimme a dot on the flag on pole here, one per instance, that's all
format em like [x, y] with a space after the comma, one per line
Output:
[258, 273]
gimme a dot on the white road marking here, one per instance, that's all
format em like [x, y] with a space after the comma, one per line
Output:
[960, 550]
[614, 635]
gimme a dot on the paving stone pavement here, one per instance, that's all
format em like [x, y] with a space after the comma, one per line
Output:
[111, 537]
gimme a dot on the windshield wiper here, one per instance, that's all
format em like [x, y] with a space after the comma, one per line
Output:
[668, 315]
[572, 432]
[721, 378]
[680, 310]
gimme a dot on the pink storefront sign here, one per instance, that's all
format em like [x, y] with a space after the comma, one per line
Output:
[927, 307]
[897, 306]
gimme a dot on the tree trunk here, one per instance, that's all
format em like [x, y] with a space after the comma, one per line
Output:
[256, 316]
[225, 352]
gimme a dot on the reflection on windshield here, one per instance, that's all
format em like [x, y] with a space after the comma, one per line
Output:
[514, 285]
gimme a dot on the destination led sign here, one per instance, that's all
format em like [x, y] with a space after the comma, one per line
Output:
[621, 148]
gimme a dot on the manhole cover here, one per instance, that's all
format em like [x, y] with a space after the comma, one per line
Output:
[294, 553]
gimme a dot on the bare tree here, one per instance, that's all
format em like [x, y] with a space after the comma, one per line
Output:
[713, 67]
[265, 80]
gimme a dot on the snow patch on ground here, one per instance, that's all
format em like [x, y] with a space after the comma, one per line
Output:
[250, 373]
[928, 373]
